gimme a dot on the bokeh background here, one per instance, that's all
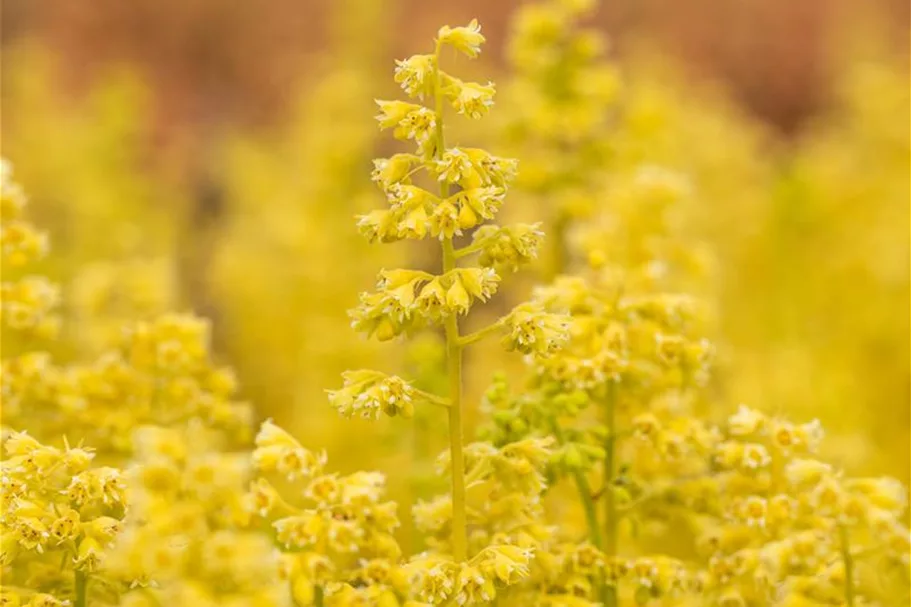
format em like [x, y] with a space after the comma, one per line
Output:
[209, 156]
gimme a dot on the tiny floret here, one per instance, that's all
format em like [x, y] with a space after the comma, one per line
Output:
[466, 39]
[532, 330]
[367, 394]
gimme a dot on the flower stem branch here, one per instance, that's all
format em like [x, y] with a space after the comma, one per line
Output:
[472, 248]
[480, 334]
[433, 399]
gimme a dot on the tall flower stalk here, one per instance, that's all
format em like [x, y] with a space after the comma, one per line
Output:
[453, 347]
[443, 192]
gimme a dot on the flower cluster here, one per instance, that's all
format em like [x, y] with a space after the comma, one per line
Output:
[406, 300]
[561, 101]
[534, 330]
[157, 407]
[159, 373]
[504, 486]
[27, 303]
[620, 396]
[59, 513]
[336, 531]
[638, 231]
[784, 525]
[185, 539]
[507, 247]
[106, 296]
[369, 393]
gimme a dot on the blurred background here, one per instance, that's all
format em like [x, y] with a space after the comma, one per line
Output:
[210, 155]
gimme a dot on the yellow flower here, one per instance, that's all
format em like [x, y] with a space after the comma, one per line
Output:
[368, 393]
[754, 510]
[432, 516]
[466, 39]
[432, 300]
[755, 456]
[416, 75]
[457, 298]
[472, 586]
[746, 421]
[302, 530]
[417, 126]
[392, 113]
[261, 497]
[806, 472]
[444, 221]
[390, 171]
[103, 529]
[509, 246]
[828, 498]
[434, 580]
[88, 557]
[883, 492]
[504, 563]
[470, 99]
[277, 450]
[454, 166]
[379, 225]
[66, 526]
[532, 330]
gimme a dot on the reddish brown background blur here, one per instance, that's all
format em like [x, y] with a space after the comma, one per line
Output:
[235, 60]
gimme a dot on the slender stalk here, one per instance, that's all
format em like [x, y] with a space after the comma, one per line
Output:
[453, 359]
[585, 492]
[610, 503]
[433, 399]
[473, 248]
[81, 582]
[454, 363]
[480, 334]
[849, 565]
[588, 505]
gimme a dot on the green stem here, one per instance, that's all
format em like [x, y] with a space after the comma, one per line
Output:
[849, 565]
[81, 582]
[433, 399]
[585, 492]
[480, 334]
[610, 503]
[588, 505]
[473, 247]
[453, 357]
[454, 363]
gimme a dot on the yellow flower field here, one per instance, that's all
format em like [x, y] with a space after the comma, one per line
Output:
[562, 327]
